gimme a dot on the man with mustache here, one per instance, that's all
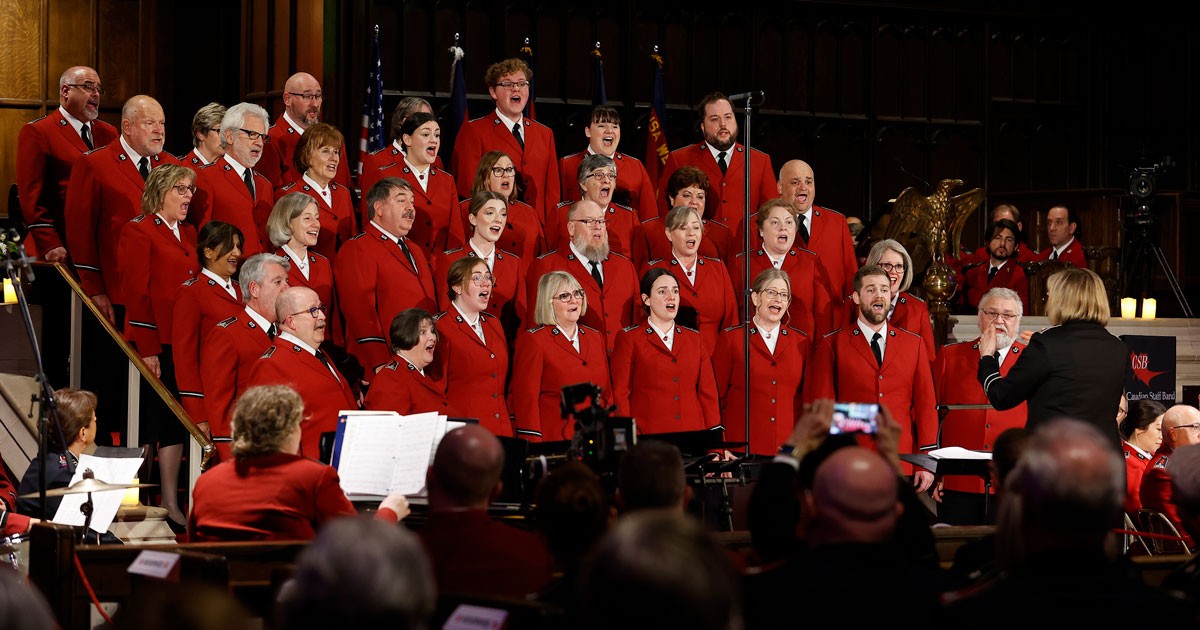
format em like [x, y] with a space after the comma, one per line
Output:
[229, 189]
[1001, 268]
[48, 147]
[723, 160]
[955, 382]
[874, 362]
[296, 360]
[105, 194]
[302, 99]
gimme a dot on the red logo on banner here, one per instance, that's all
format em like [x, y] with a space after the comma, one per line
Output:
[1140, 362]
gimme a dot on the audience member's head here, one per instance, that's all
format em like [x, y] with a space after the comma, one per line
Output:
[267, 420]
[1142, 425]
[1006, 452]
[1184, 469]
[198, 607]
[650, 475]
[22, 607]
[360, 573]
[1181, 426]
[854, 498]
[573, 512]
[466, 469]
[659, 569]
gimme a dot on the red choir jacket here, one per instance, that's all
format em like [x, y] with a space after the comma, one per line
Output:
[910, 313]
[666, 391]
[1135, 468]
[438, 217]
[1010, 276]
[228, 356]
[202, 304]
[775, 385]
[324, 394]
[726, 197]
[1072, 254]
[104, 195]
[47, 149]
[634, 188]
[717, 242]
[975, 429]
[375, 282]
[711, 297]
[813, 307]
[829, 239]
[1156, 490]
[222, 195]
[476, 374]
[845, 369]
[609, 310]
[400, 387]
[380, 158]
[545, 363]
[338, 223]
[536, 163]
[625, 235]
[320, 277]
[522, 233]
[507, 299]
[153, 266]
[276, 163]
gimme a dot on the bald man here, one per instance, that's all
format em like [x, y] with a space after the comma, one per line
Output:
[854, 499]
[1180, 427]
[302, 99]
[827, 232]
[105, 194]
[471, 553]
[47, 149]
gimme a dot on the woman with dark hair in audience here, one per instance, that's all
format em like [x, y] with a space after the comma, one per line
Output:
[1141, 433]
[689, 186]
[294, 228]
[268, 491]
[662, 373]
[573, 513]
[74, 432]
[403, 385]
[317, 155]
[523, 227]
[559, 351]
[778, 354]
[474, 356]
[908, 311]
[705, 289]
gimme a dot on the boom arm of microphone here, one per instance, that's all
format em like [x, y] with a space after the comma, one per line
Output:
[757, 95]
[17, 255]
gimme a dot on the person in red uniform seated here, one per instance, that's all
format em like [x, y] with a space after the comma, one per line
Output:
[206, 136]
[295, 228]
[379, 273]
[268, 491]
[296, 361]
[1061, 225]
[530, 144]
[689, 187]
[74, 433]
[558, 351]
[908, 311]
[1142, 435]
[609, 279]
[597, 179]
[1180, 427]
[302, 99]
[488, 216]
[872, 361]
[523, 228]
[474, 356]
[778, 357]
[813, 305]
[105, 193]
[394, 152]
[212, 296]
[634, 188]
[955, 383]
[1001, 268]
[1023, 254]
[47, 149]
[662, 372]
[157, 256]
[232, 347]
[471, 553]
[403, 385]
[230, 189]
[706, 291]
[317, 158]
[723, 160]
[821, 230]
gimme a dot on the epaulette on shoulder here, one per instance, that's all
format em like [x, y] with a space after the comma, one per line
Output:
[449, 252]
[831, 333]
[619, 255]
[190, 281]
[439, 316]
[796, 330]
[288, 186]
[139, 218]
[508, 253]
[270, 351]
[317, 255]
[688, 328]
[356, 237]
[633, 327]
[655, 262]
[563, 204]
[535, 329]
[226, 323]
[41, 118]
[731, 328]
[903, 330]
[915, 297]
[392, 366]
[549, 253]
[711, 259]
[829, 210]
[617, 205]
[959, 343]
[581, 326]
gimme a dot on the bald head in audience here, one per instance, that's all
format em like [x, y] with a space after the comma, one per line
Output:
[1184, 468]
[854, 499]
[466, 470]
[1178, 427]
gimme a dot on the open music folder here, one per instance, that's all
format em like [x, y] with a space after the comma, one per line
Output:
[377, 453]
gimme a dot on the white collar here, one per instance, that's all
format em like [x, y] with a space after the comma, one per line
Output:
[74, 122]
[584, 259]
[728, 153]
[258, 319]
[414, 365]
[467, 318]
[312, 182]
[301, 261]
[200, 156]
[870, 334]
[1139, 449]
[237, 166]
[421, 173]
[391, 237]
[508, 122]
[1059, 250]
[287, 336]
[298, 128]
[133, 155]
[221, 282]
[490, 258]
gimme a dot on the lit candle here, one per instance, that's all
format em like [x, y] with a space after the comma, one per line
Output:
[132, 496]
[1149, 308]
[1128, 308]
[10, 293]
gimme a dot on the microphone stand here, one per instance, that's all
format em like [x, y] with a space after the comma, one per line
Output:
[746, 211]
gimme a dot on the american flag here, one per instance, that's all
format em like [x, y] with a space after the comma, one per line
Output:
[372, 122]
[656, 133]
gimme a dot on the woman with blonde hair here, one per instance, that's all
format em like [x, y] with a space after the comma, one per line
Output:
[1073, 369]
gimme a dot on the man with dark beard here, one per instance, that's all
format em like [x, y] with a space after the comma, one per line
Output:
[1000, 269]
[873, 362]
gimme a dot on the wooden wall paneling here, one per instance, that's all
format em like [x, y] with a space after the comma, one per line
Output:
[801, 65]
[574, 50]
[417, 48]
[825, 74]
[1072, 67]
[647, 33]
[23, 75]
[888, 79]
[915, 76]
[1049, 75]
[1024, 71]
[838, 156]
[1010, 150]
[956, 152]
[774, 69]
[281, 29]
[1000, 66]
[446, 23]
[900, 147]
[675, 49]
[943, 81]
[11, 121]
[71, 41]
[970, 75]
[551, 37]
[258, 41]
[308, 48]
[853, 92]
[706, 45]
[1052, 161]
[612, 37]
[119, 50]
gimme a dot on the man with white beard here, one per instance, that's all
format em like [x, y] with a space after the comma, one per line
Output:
[229, 189]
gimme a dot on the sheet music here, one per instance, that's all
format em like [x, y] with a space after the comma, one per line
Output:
[383, 452]
[958, 452]
[104, 504]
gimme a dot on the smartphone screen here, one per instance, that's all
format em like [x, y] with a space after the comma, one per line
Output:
[854, 418]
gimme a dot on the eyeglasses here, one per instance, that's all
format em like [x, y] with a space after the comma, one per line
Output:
[603, 175]
[889, 267]
[1194, 426]
[308, 96]
[772, 294]
[320, 308]
[88, 87]
[513, 85]
[254, 135]
[185, 189]
[501, 171]
[593, 222]
[565, 296]
[482, 279]
[1010, 317]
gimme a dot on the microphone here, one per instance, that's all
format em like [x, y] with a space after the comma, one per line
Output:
[17, 254]
[742, 96]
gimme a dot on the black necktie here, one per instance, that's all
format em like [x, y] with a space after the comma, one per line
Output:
[144, 168]
[248, 177]
[803, 230]
[517, 134]
[992, 273]
[271, 332]
[1054, 255]
[876, 348]
[324, 359]
[721, 163]
[408, 253]
[87, 137]
[596, 273]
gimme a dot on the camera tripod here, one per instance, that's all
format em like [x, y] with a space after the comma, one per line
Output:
[1142, 247]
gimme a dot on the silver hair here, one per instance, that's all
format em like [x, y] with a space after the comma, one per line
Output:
[235, 118]
[255, 269]
[1002, 293]
[594, 162]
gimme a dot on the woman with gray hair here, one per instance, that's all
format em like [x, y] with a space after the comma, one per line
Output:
[294, 228]
[908, 311]
[597, 183]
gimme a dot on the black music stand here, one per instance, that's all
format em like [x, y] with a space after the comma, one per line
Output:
[949, 466]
